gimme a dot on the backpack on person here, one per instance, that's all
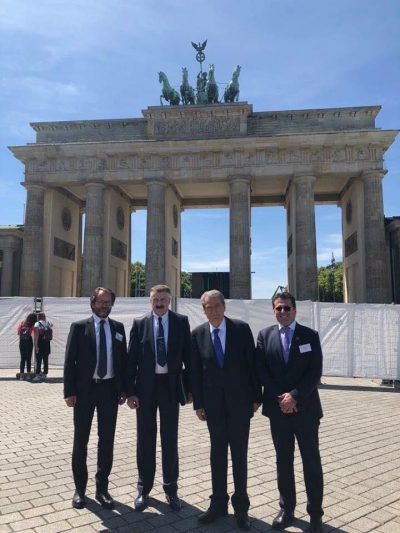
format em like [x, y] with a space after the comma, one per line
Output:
[47, 334]
[24, 333]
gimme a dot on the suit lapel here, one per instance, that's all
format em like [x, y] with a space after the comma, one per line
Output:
[149, 333]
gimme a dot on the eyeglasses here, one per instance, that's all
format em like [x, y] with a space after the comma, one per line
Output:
[283, 308]
[104, 303]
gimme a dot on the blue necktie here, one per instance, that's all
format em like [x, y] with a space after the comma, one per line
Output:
[285, 339]
[161, 351]
[102, 367]
[218, 348]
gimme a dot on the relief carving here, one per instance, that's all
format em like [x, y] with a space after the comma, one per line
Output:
[197, 126]
[271, 157]
[43, 166]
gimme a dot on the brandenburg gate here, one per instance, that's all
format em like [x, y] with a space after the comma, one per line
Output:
[201, 156]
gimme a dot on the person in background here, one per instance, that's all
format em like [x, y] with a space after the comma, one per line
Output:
[42, 346]
[25, 330]
[289, 366]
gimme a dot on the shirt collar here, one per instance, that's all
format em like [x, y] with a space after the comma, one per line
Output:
[164, 318]
[221, 327]
[97, 319]
[291, 326]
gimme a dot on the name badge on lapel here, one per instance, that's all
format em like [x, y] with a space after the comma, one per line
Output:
[305, 348]
[118, 336]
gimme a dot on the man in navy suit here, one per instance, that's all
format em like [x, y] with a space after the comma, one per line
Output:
[225, 394]
[159, 347]
[93, 379]
[289, 366]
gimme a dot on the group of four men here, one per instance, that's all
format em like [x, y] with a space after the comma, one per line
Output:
[227, 380]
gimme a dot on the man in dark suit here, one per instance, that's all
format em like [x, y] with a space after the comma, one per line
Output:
[289, 366]
[93, 379]
[225, 394]
[159, 346]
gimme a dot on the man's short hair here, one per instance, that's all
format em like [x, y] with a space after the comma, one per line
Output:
[284, 296]
[95, 294]
[160, 288]
[212, 294]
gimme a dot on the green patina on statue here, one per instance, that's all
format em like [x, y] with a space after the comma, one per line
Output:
[206, 87]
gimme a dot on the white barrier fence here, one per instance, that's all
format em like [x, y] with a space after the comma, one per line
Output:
[358, 340]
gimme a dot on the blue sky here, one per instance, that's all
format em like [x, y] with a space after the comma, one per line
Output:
[91, 59]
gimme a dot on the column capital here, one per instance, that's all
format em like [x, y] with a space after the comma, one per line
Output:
[234, 180]
[95, 184]
[297, 178]
[34, 186]
[162, 182]
[366, 174]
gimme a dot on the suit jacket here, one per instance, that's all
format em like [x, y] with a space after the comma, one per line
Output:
[234, 387]
[140, 376]
[81, 356]
[300, 376]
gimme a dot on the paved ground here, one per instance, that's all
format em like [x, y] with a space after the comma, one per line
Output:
[360, 440]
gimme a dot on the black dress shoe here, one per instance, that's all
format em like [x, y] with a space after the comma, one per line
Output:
[243, 521]
[211, 514]
[78, 501]
[282, 520]
[105, 500]
[141, 502]
[315, 525]
[174, 502]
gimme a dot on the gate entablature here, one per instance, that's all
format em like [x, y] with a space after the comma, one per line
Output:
[216, 155]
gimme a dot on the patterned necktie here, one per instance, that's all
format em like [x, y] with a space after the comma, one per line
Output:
[218, 348]
[285, 339]
[102, 367]
[161, 351]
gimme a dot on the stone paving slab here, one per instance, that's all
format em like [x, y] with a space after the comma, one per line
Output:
[360, 441]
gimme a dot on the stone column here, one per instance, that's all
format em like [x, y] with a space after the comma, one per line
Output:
[376, 276]
[92, 275]
[306, 247]
[7, 272]
[155, 236]
[32, 253]
[239, 227]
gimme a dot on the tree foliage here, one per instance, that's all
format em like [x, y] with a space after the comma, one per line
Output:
[138, 281]
[330, 283]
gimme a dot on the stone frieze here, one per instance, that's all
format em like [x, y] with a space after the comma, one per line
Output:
[256, 157]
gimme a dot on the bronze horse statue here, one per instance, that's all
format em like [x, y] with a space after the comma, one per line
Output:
[187, 92]
[168, 93]
[231, 93]
[211, 87]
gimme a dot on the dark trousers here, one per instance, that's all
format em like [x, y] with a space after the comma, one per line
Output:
[25, 349]
[146, 418]
[104, 398]
[284, 430]
[229, 430]
[39, 357]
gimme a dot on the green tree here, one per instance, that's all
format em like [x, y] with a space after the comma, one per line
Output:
[186, 284]
[138, 279]
[330, 283]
